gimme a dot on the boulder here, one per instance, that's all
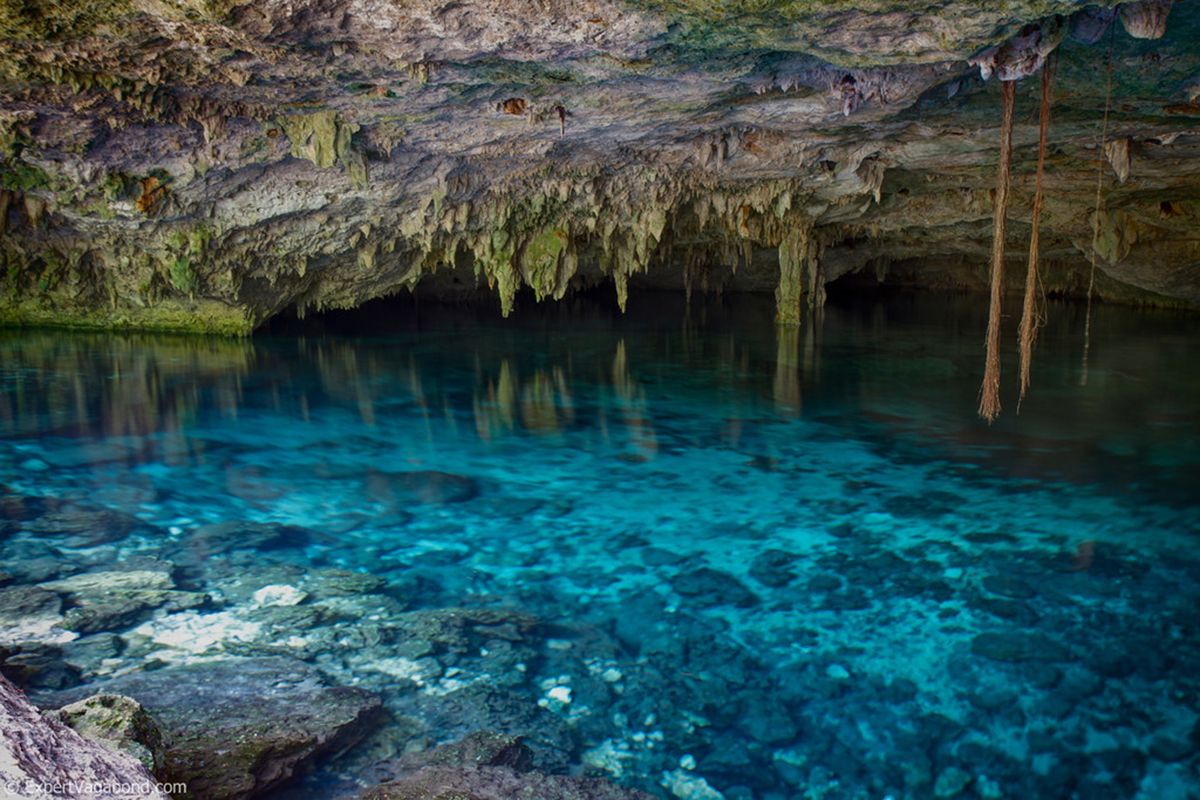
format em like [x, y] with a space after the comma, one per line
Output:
[36, 750]
[237, 727]
[119, 723]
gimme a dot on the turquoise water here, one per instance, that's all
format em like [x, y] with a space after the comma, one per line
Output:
[759, 564]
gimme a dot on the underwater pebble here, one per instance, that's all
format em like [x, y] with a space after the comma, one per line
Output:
[687, 786]
[837, 672]
[560, 693]
[950, 783]
[687, 761]
[988, 789]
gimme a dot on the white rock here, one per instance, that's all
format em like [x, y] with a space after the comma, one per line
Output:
[688, 786]
[193, 632]
[611, 675]
[837, 672]
[560, 693]
[279, 594]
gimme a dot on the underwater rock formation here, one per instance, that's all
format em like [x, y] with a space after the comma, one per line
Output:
[489, 766]
[38, 751]
[205, 167]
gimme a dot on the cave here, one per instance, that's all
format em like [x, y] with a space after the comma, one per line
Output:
[599, 399]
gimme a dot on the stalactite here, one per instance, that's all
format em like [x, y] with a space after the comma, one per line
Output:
[1029, 314]
[989, 401]
[796, 254]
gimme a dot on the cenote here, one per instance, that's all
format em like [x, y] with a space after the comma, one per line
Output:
[599, 400]
[680, 548]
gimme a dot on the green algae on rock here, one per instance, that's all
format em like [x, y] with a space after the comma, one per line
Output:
[117, 722]
[234, 728]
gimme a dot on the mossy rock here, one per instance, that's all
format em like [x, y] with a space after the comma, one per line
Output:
[119, 723]
[321, 137]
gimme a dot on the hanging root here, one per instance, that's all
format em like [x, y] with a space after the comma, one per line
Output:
[989, 399]
[1029, 313]
[1087, 321]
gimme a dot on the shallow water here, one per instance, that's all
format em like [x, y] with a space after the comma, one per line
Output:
[794, 563]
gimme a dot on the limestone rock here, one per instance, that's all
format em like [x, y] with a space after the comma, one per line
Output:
[437, 156]
[38, 750]
[1088, 25]
[235, 728]
[31, 614]
[119, 723]
[1117, 152]
[111, 600]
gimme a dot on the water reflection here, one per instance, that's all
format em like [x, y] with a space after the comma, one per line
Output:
[893, 372]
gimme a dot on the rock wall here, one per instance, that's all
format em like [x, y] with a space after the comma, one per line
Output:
[204, 165]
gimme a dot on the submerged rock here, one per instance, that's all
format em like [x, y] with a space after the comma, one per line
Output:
[111, 600]
[708, 586]
[1017, 647]
[37, 666]
[30, 614]
[481, 706]
[36, 750]
[773, 568]
[222, 538]
[476, 749]
[73, 525]
[951, 782]
[497, 783]
[424, 487]
[235, 728]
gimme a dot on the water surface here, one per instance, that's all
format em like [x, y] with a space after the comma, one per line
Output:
[769, 564]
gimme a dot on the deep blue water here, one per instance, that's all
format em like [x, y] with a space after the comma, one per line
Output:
[765, 564]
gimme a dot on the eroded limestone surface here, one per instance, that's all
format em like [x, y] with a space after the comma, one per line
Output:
[203, 165]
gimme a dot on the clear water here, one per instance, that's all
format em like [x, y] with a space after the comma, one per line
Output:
[796, 563]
